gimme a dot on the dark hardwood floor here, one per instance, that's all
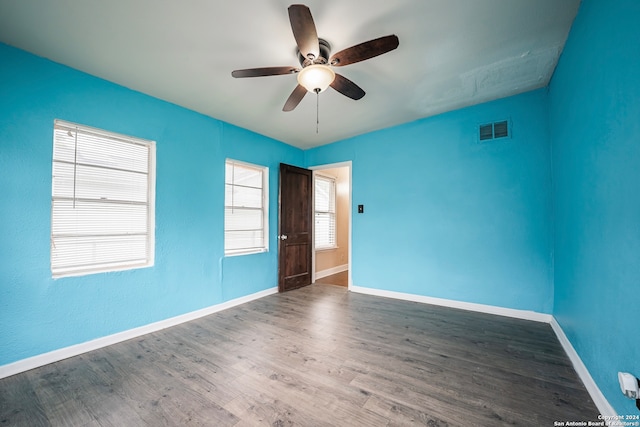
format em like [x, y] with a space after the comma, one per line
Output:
[316, 356]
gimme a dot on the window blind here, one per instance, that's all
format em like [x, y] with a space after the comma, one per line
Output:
[325, 212]
[102, 205]
[245, 212]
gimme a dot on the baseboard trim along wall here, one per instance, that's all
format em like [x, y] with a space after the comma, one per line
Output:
[75, 350]
[598, 398]
[481, 308]
[332, 271]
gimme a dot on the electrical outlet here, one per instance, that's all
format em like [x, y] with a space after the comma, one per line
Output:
[629, 385]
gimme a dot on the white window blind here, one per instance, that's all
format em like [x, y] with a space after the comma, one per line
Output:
[245, 208]
[325, 212]
[102, 205]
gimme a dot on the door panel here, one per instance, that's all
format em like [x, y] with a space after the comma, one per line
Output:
[295, 226]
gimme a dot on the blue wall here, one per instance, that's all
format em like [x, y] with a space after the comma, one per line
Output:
[38, 314]
[595, 131]
[451, 218]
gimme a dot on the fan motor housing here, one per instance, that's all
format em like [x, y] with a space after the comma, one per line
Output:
[325, 51]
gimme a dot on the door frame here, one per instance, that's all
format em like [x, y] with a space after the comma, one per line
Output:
[318, 168]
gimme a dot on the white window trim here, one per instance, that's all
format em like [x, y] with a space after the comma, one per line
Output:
[150, 223]
[265, 210]
[333, 179]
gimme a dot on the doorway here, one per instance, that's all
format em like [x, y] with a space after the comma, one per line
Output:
[331, 255]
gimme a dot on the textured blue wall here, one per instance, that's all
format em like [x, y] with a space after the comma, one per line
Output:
[451, 218]
[595, 128]
[38, 314]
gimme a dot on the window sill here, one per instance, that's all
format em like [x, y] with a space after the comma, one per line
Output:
[247, 252]
[70, 272]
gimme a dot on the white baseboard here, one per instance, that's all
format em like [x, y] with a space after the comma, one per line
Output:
[598, 398]
[596, 395]
[75, 350]
[332, 271]
[482, 308]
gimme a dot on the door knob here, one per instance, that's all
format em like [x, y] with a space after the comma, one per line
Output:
[283, 237]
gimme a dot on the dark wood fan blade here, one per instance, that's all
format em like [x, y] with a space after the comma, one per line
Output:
[265, 71]
[363, 51]
[304, 30]
[347, 87]
[294, 99]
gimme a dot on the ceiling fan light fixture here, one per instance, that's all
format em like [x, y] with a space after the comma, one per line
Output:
[314, 55]
[316, 78]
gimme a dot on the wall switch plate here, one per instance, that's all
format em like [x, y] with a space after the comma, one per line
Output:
[360, 208]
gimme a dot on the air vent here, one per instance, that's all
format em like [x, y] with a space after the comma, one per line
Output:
[500, 129]
[486, 132]
[494, 130]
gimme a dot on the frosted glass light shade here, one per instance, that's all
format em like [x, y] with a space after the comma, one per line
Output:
[315, 77]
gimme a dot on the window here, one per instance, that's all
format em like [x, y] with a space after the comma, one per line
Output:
[246, 208]
[325, 212]
[102, 204]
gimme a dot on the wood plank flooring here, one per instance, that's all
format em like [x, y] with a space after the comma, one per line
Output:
[316, 356]
[338, 279]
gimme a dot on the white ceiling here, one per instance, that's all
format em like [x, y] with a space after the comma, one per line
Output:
[452, 53]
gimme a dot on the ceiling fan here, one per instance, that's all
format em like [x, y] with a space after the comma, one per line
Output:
[316, 74]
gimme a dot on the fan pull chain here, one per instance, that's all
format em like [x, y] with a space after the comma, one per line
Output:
[317, 91]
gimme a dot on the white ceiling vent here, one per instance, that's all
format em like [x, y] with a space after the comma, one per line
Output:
[494, 130]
